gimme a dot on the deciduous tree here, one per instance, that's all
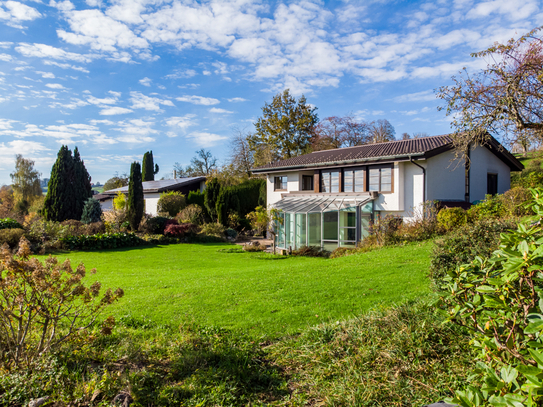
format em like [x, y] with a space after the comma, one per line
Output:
[117, 181]
[285, 129]
[337, 132]
[203, 164]
[505, 98]
[381, 131]
[25, 180]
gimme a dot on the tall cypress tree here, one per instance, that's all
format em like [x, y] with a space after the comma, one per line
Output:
[135, 196]
[69, 187]
[149, 168]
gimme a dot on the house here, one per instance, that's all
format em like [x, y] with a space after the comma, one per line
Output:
[152, 191]
[328, 198]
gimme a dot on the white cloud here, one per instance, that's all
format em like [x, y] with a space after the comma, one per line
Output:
[14, 13]
[6, 57]
[46, 75]
[102, 102]
[181, 122]
[110, 111]
[145, 81]
[219, 110]
[30, 149]
[55, 86]
[180, 74]
[47, 51]
[106, 122]
[198, 100]
[66, 66]
[424, 96]
[141, 101]
[74, 104]
[136, 131]
[235, 100]
[204, 139]
[5, 44]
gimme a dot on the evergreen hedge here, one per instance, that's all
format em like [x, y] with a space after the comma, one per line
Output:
[135, 196]
[240, 199]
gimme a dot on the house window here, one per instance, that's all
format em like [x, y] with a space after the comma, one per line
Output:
[380, 179]
[491, 184]
[280, 183]
[353, 181]
[307, 182]
[330, 181]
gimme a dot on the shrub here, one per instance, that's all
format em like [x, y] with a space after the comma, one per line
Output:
[231, 233]
[384, 229]
[154, 225]
[8, 223]
[101, 241]
[489, 208]
[515, 202]
[119, 202]
[182, 230]
[191, 214]
[213, 229]
[33, 324]
[464, 244]
[92, 211]
[451, 218]
[254, 247]
[114, 220]
[310, 251]
[93, 228]
[500, 299]
[171, 202]
[11, 237]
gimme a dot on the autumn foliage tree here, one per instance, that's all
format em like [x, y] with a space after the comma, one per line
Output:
[337, 132]
[505, 98]
[25, 182]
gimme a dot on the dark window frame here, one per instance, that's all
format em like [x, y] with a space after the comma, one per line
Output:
[329, 186]
[492, 183]
[278, 183]
[311, 182]
[380, 167]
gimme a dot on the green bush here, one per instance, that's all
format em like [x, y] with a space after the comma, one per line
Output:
[231, 233]
[171, 202]
[500, 299]
[213, 229]
[461, 246]
[102, 241]
[515, 202]
[310, 251]
[490, 208]
[154, 225]
[451, 218]
[8, 223]
[239, 199]
[92, 211]
[11, 236]
[191, 214]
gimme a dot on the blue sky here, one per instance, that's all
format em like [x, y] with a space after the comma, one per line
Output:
[123, 77]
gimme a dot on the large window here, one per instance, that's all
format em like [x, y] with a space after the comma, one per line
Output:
[353, 181]
[330, 181]
[380, 179]
[280, 183]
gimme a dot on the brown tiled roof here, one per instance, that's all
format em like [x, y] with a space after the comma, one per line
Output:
[393, 150]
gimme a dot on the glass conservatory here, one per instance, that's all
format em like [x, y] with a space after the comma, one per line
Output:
[327, 222]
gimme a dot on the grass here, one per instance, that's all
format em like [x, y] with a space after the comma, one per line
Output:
[265, 295]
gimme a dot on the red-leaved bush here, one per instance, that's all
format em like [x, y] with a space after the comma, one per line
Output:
[180, 230]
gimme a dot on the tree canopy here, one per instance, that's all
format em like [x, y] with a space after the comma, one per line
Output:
[285, 129]
[381, 131]
[25, 179]
[69, 187]
[117, 181]
[337, 132]
[202, 164]
[504, 98]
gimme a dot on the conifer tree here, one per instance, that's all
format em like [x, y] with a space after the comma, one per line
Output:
[149, 168]
[69, 187]
[135, 196]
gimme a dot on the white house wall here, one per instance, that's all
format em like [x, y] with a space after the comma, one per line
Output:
[445, 178]
[483, 161]
[293, 184]
[393, 201]
[151, 203]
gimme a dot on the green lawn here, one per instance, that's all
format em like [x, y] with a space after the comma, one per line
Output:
[258, 293]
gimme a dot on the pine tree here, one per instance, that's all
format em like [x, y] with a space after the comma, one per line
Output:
[149, 168]
[92, 211]
[69, 187]
[135, 196]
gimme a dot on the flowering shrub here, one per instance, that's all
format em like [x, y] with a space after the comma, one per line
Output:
[44, 305]
[180, 230]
